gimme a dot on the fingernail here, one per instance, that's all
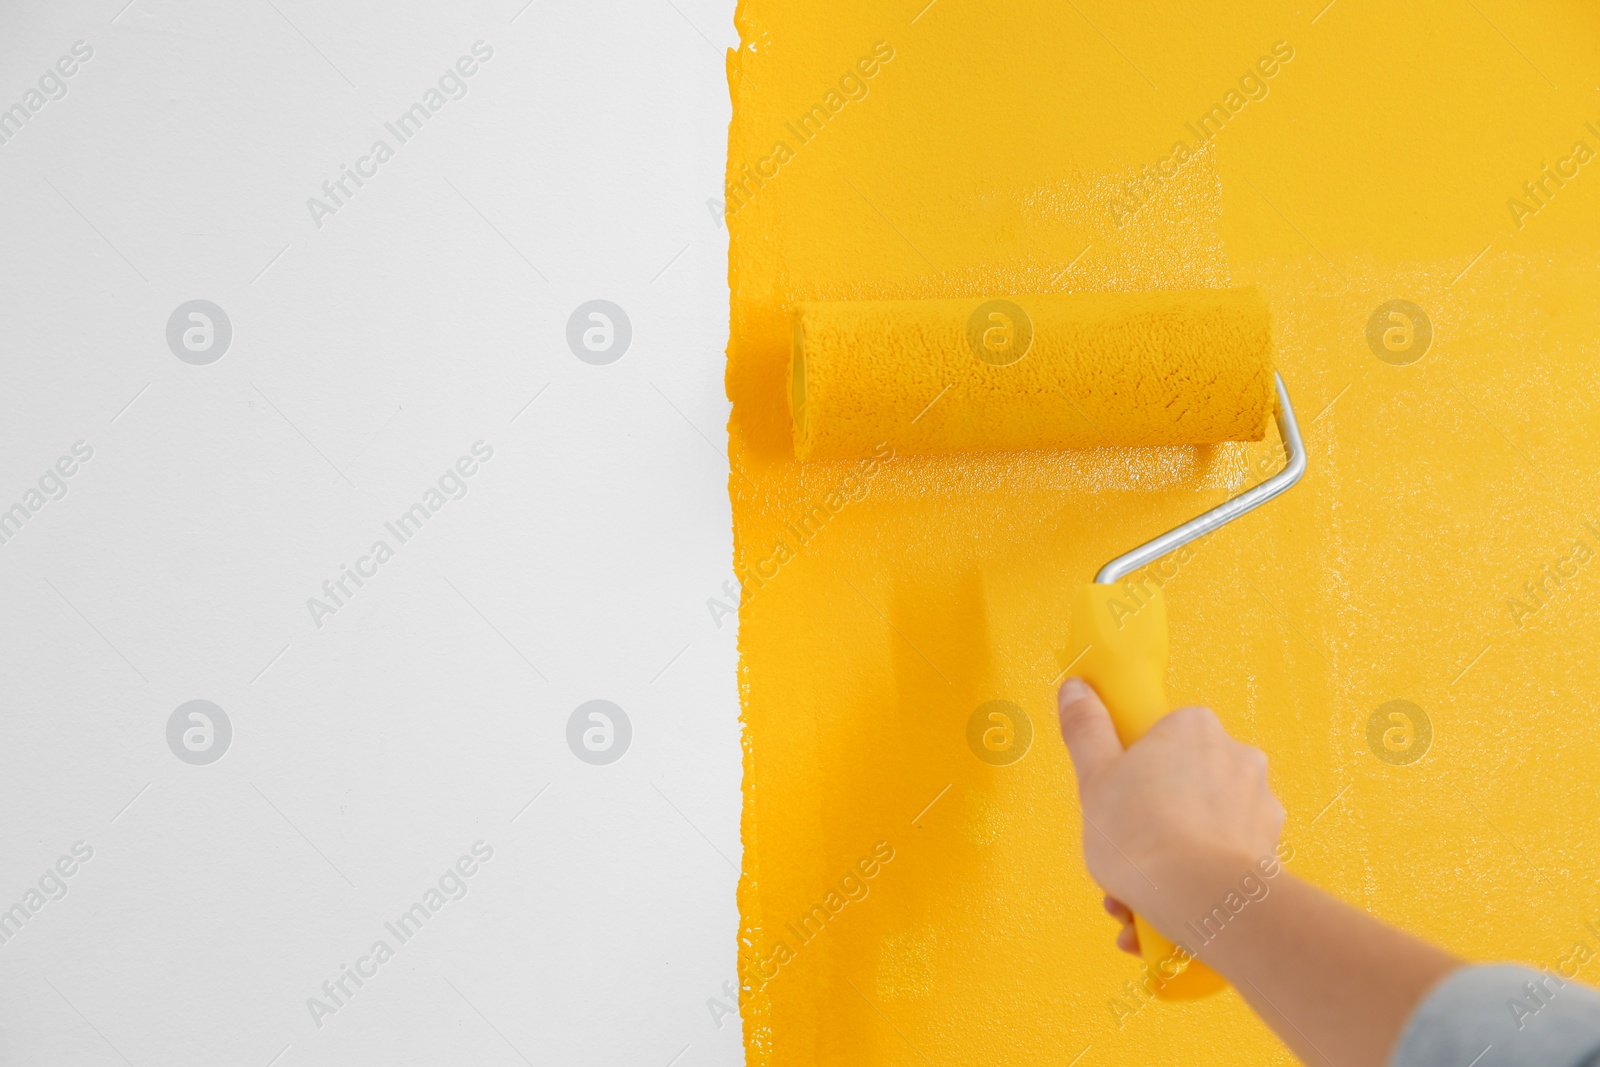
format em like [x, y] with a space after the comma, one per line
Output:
[1073, 690]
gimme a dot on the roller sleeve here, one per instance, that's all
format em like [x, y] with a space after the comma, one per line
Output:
[1058, 370]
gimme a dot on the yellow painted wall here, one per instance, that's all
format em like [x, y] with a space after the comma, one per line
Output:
[885, 601]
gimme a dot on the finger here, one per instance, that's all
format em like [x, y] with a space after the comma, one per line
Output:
[1118, 910]
[1128, 939]
[1195, 718]
[1086, 728]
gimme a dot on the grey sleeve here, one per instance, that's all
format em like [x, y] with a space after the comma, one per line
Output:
[1502, 1015]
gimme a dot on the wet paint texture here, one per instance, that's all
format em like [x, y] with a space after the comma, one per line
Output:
[1054, 370]
[1430, 555]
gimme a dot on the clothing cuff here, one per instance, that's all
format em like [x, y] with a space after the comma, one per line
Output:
[1502, 1015]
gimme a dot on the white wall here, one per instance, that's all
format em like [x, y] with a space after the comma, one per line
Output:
[371, 347]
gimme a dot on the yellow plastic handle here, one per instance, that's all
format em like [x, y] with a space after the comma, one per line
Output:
[1126, 662]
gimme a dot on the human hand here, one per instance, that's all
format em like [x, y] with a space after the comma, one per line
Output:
[1128, 936]
[1176, 827]
[1185, 807]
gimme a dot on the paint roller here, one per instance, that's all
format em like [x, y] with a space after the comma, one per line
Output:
[1059, 371]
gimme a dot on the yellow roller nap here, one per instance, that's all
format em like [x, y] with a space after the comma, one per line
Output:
[1058, 370]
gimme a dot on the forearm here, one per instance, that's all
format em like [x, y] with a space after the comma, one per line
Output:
[1335, 983]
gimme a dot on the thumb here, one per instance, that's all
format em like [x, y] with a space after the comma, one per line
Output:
[1086, 728]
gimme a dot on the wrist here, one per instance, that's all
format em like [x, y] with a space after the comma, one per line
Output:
[1204, 889]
